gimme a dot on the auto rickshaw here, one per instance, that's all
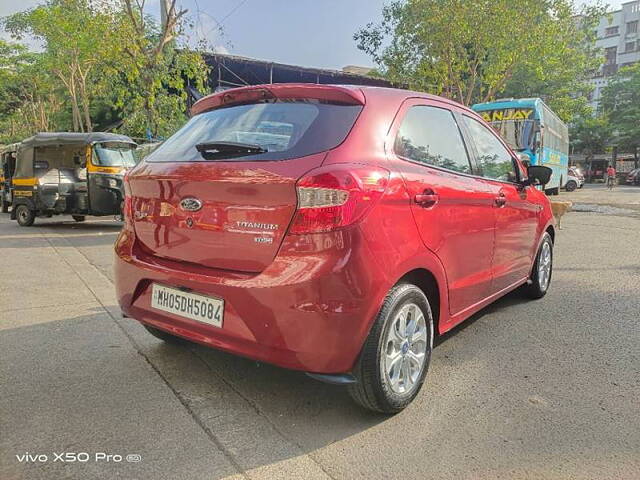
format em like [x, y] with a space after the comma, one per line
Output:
[77, 174]
[7, 167]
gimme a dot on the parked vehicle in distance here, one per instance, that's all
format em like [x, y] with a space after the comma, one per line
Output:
[330, 229]
[530, 127]
[77, 174]
[633, 177]
[575, 179]
[7, 168]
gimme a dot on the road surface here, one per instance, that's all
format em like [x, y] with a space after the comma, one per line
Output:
[524, 390]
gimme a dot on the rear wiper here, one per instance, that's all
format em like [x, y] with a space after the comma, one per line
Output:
[211, 150]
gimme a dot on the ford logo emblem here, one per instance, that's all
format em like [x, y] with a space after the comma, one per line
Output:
[190, 204]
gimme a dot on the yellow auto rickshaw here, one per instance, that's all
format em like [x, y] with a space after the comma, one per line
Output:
[77, 174]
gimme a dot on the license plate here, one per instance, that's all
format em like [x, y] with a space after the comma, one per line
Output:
[189, 305]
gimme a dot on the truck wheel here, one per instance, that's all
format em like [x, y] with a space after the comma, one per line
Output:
[78, 218]
[571, 186]
[164, 336]
[25, 216]
[542, 269]
[396, 354]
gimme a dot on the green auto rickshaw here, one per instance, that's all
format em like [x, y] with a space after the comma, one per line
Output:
[76, 174]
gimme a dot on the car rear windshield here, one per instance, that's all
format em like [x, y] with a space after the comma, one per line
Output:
[284, 128]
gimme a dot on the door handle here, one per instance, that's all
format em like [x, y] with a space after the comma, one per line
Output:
[500, 200]
[428, 198]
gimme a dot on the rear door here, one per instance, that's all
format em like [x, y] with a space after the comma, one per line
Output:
[226, 215]
[452, 209]
[201, 199]
[516, 215]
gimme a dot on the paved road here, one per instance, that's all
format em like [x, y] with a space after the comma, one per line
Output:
[622, 200]
[541, 390]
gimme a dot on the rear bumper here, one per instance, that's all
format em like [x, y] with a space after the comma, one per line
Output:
[310, 310]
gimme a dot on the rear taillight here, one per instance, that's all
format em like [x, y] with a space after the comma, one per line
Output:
[337, 196]
[127, 204]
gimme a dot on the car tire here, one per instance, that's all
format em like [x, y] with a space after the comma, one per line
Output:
[395, 357]
[25, 216]
[540, 279]
[571, 186]
[164, 336]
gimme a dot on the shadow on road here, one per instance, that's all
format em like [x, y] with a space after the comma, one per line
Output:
[513, 298]
[84, 234]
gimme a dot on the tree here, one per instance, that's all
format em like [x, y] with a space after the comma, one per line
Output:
[29, 101]
[620, 102]
[473, 50]
[77, 37]
[104, 63]
[562, 79]
[590, 135]
[151, 87]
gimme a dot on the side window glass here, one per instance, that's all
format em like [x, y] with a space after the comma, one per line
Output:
[495, 160]
[431, 135]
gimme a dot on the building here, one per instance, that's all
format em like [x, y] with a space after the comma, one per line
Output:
[618, 36]
[228, 71]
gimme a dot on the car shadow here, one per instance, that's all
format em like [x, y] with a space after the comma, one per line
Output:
[514, 297]
[310, 413]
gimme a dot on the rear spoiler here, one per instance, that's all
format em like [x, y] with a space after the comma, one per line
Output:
[256, 93]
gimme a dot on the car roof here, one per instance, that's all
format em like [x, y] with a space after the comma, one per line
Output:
[356, 94]
[402, 94]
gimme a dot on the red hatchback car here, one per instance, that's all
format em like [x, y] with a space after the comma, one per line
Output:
[330, 229]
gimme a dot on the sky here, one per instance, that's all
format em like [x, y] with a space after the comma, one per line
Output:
[313, 33]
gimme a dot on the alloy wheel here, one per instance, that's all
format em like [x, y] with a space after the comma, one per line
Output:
[404, 349]
[544, 266]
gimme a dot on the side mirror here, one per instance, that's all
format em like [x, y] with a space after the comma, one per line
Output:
[538, 174]
[537, 141]
[524, 158]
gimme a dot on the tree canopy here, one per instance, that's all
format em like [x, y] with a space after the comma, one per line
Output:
[590, 134]
[473, 50]
[620, 103]
[29, 96]
[103, 65]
